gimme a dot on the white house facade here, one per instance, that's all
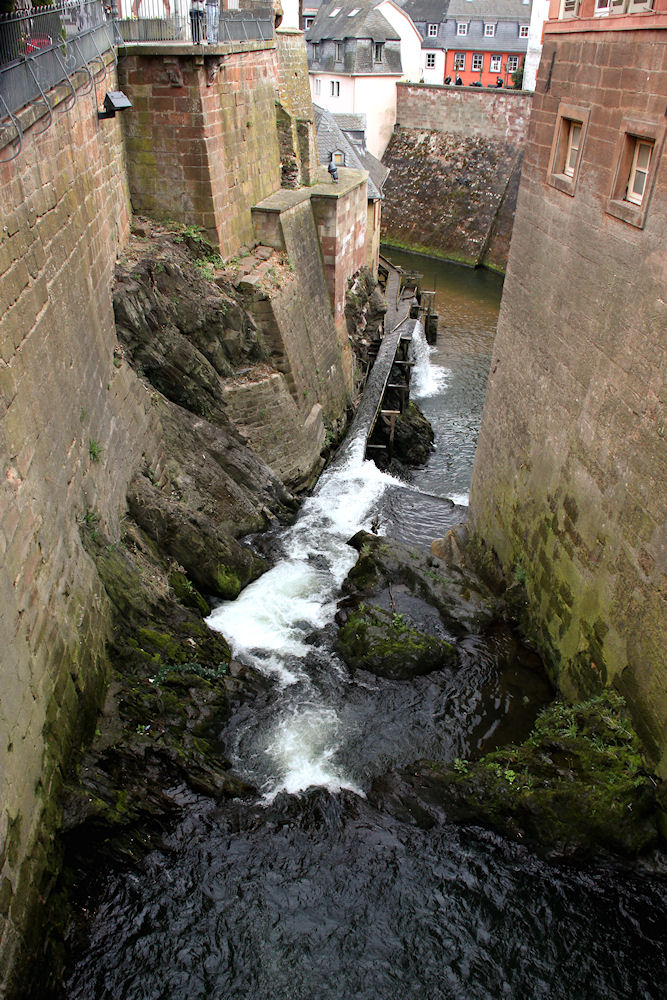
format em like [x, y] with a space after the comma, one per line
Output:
[356, 50]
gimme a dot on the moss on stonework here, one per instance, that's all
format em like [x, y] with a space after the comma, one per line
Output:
[187, 593]
[229, 584]
[387, 644]
[576, 785]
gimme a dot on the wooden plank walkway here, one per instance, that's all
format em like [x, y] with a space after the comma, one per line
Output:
[397, 325]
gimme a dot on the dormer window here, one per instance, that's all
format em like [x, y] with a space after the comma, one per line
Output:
[432, 30]
[523, 31]
[307, 22]
[338, 158]
[489, 30]
[378, 50]
[462, 28]
[316, 51]
[335, 11]
[339, 51]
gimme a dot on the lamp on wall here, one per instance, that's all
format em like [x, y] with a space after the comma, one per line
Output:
[114, 100]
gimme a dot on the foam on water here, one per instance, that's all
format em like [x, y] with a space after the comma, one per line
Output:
[460, 499]
[427, 379]
[302, 746]
[269, 623]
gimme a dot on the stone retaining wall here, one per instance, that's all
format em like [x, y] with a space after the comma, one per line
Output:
[201, 136]
[74, 421]
[472, 111]
[569, 488]
[455, 161]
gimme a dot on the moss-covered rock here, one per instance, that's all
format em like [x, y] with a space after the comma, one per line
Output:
[413, 436]
[576, 786]
[388, 645]
[462, 601]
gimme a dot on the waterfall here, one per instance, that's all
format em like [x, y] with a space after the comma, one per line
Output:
[427, 379]
[269, 624]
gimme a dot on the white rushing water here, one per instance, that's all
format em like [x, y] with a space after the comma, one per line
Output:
[269, 624]
[427, 379]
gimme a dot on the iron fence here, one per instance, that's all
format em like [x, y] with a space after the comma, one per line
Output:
[44, 46]
[201, 23]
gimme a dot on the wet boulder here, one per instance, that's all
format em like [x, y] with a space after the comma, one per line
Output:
[413, 437]
[388, 567]
[216, 563]
[576, 787]
[389, 645]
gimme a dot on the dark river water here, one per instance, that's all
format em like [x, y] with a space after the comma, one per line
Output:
[308, 892]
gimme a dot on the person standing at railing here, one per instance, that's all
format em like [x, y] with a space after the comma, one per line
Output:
[197, 21]
[212, 19]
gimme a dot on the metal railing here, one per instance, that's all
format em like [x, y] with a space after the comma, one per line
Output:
[43, 47]
[179, 20]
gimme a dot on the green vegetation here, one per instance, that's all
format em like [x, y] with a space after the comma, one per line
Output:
[94, 450]
[576, 784]
[387, 644]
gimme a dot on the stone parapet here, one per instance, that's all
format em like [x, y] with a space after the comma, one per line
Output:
[471, 111]
[201, 138]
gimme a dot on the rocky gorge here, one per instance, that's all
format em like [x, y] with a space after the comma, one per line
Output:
[402, 614]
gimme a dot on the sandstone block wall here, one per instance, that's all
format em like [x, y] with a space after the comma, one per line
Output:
[323, 232]
[569, 487]
[296, 130]
[472, 111]
[341, 216]
[74, 421]
[455, 159]
[266, 413]
[201, 137]
[451, 195]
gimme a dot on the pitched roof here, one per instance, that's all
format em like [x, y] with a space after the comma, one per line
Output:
[332, 139]
[341, 19]
[425, 11]
[349, 122]
[490, 10]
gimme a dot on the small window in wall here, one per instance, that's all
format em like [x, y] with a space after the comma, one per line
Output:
[433, 31]
[523, 30]
[378, 51]
[602, 8]
[637, 156]
[477, 62]
[307, 22]
[572, 150]
[567, 147]
[496, 64]
[462, 28]
[339, 51]
[430, 60]
[489, 30]
[316, 51]
[335, 88]
[512, 64]
[459, 60]
[318, 87]
[641, 161]
[338, 158]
